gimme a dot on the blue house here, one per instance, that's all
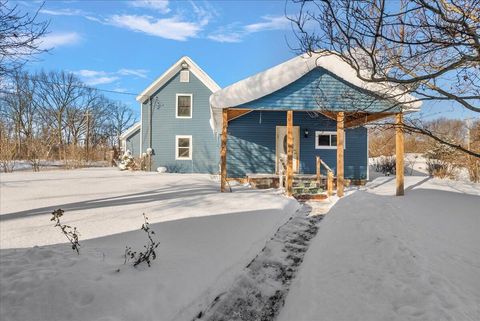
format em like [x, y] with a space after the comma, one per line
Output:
[130, 140]
[175, 121]
[280, 120]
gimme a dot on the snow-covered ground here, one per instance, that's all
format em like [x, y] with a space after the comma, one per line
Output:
[380, 257]
[375, 256]
[206, 237]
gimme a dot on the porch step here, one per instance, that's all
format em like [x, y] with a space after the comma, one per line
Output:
[313, 197]
[308, 190]
[307, 184]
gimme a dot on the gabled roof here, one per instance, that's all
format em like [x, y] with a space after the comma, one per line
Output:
[275, 78]
[130, 131]
[172, 71]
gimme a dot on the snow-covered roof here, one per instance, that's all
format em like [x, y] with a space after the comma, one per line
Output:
[172, 71]
[130, 131]
[275, 78]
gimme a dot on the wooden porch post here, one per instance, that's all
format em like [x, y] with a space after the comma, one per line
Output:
[289, 175]
[340, 144]
[318, 169]
[223, 151]
[399, 151]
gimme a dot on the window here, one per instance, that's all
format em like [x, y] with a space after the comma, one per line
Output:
[184, 76]
[183, 147]
[326, 140]
[184, 106]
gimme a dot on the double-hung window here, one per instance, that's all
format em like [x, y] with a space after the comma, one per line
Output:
[326, 140]
[183, 106]
[183, 147]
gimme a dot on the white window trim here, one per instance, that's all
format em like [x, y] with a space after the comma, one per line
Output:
[176, 105]
[189, 150]
[319, 133]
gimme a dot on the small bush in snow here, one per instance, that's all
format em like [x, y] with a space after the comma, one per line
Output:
[442, 160]
[385, 164]
[70, 232]
[440, 168]
[148, 255]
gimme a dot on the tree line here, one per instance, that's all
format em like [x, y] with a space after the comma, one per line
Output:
[442, 160]
[54, 115]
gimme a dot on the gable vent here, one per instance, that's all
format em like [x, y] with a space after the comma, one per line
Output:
[184, 76]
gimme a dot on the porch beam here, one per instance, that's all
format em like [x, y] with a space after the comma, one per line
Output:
[289, 174]
[340, 144]
[235, 113]
[328, 114]
[399, 154]
[223, 151]
[366, 118]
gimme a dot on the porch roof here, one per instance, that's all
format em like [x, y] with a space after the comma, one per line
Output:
[270, 90]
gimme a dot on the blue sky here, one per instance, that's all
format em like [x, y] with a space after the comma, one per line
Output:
[125, 45]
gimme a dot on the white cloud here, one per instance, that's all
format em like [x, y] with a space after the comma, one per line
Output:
[86, 73]
[141, 73]
[270, 23]
[236, 33]
[93, 77]
[120, 89]
[53, 40]
[226, 37]
[169, 28]
[101, 80]
[100, 77]
[62, 12]
[158, 5]
[179, 25]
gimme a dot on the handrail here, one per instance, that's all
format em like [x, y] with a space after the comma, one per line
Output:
[321, 162]
[325, 165]
[329, 175]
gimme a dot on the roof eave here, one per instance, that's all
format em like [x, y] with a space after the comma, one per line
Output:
[171, 72]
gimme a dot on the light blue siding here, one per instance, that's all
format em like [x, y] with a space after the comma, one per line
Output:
[320, 89]
[252, 141]
[132, 143]
[165, 126]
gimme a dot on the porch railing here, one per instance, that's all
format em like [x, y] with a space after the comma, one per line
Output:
[320, 162]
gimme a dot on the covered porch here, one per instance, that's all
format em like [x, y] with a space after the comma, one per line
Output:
[327, 178]
[304, 108]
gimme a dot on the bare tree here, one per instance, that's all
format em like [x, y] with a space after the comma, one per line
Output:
[79, 112]
[428, 48]
[55, 115]
[17, 105]
[20, 33]
[121, 118]
[7, 148]
[57, 92]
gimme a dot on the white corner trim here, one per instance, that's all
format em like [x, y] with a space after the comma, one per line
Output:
[368, 156]
[172, 71]
[329, 132]
[141, 130]
[176, 105]
[190, 147]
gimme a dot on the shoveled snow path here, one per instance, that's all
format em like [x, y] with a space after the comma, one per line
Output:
[259, 292]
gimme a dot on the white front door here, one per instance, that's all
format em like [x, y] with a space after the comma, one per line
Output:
[281, 148]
